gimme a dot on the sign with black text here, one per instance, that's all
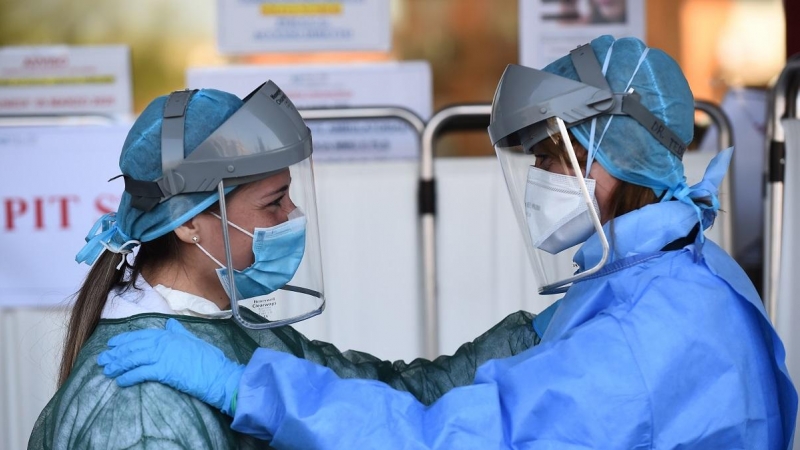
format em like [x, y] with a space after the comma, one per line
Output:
[406, 84]
[64, 80]
[550, 29]
[253, 26]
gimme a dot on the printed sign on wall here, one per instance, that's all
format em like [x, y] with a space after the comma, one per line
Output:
[65, 80]
[55, 188]
[401, 84]
[550, 29]
[252, 26]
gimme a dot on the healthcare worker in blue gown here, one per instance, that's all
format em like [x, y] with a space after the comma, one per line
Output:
[660, 340]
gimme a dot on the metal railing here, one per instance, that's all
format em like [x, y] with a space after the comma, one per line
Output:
[786, 87]
[454, 118]
[476, 117]
[373, 112]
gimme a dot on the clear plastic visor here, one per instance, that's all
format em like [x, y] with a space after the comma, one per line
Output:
[273, 277]
[554, 203]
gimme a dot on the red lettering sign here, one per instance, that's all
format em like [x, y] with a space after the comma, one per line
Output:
[15, 207]
[42, 208]
[64, 202]
[49, 62]
[106, 203]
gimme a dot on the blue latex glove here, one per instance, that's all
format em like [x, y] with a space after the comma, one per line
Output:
[177, 358]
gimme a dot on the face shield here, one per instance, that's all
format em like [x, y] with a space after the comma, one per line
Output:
[265, 141]
[554, 203]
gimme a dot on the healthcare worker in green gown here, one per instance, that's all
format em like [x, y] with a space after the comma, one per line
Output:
[219, 192]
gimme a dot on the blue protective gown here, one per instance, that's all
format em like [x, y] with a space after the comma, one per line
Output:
[660, 350]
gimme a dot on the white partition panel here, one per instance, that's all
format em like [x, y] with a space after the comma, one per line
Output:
[483, 268]
[787, 313]
[30, 349]
[370, 251]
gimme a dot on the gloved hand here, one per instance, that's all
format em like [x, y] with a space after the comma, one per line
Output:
[177, 358]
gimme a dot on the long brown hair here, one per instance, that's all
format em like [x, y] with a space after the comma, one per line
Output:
[100, 281]
[628, 197]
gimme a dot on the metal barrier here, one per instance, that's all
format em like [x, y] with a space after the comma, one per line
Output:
[376, 112]
[786, 86]
[454, 118]
[476, 117]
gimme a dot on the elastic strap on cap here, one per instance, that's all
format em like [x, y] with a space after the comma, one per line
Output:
[632, 107]
[145, 195]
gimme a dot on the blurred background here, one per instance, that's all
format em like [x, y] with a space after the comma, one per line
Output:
[730, 51]
[718, 43]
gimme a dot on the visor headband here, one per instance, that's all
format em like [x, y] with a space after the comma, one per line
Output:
[172, 126]
[590, 72]
[146, 195]
[263, 136]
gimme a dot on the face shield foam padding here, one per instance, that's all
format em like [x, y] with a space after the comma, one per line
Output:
[625, 148]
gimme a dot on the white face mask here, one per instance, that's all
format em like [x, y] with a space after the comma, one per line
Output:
[557, 214]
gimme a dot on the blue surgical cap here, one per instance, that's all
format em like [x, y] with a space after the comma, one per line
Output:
[141, 160]
[621, 145]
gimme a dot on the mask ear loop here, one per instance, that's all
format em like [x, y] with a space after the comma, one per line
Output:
[627, 89]
[209, 254]
[592, 147]
[234, 225]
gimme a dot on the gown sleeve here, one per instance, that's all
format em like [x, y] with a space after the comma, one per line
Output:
[424, 379]
[580, 392]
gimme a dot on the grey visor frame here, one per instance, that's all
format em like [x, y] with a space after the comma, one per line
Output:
[526, 98]
[263, 137]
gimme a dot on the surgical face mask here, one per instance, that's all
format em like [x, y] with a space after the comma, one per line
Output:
[277, 252]
[556, 211]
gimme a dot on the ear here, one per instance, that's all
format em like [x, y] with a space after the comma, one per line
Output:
[190, 229]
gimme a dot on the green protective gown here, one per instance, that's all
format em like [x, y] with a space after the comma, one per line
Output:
[91, 412]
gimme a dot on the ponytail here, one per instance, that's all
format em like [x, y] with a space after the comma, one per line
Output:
[102, 278]
[89, 304]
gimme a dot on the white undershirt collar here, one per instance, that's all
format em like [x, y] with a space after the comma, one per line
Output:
[145, 299]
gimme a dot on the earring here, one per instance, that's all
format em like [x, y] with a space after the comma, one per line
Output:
[195, 239]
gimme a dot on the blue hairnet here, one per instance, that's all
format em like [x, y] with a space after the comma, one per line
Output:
[141, 159]
[622, 145]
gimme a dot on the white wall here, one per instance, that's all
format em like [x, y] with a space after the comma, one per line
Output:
[787, 313]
